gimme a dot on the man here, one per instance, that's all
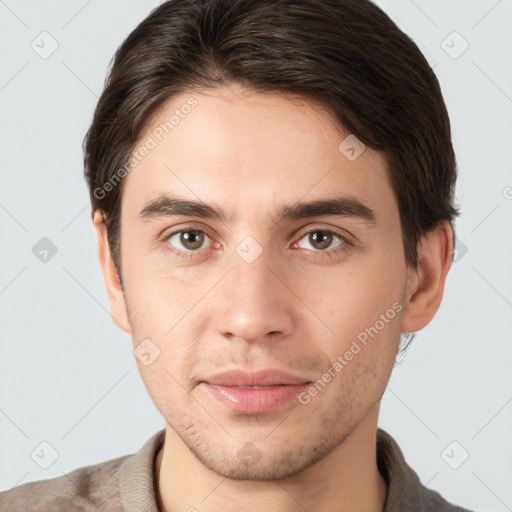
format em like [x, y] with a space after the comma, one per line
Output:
[272, 191]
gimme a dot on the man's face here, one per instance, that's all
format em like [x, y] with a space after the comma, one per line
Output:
[257, 290]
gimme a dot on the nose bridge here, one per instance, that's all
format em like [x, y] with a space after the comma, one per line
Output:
[254, 301]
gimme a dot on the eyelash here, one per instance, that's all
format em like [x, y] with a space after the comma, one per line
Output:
[331, 253]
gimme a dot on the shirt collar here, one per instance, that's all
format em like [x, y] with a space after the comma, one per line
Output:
[404, 487]
[137, 479]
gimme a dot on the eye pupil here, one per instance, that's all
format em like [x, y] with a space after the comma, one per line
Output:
[192, 239]
[320, 242]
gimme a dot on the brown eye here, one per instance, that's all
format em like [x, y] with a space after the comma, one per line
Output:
[190, 240]
[320, 240]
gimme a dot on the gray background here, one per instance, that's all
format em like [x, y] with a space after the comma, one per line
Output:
[68, 376]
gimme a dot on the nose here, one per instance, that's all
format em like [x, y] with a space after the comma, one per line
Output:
[253, 301]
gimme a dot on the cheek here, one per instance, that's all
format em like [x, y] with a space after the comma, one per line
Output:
[165, 355]
[164, 339]
[165, 385]
[160, 295]
[354, 293]
[361, 304]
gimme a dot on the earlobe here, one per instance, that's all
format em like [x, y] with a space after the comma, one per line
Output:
[115, 291]
[425, 284]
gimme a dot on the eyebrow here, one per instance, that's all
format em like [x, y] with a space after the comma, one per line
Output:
[168, 205]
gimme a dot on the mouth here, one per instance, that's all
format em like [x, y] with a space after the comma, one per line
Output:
[254, 392]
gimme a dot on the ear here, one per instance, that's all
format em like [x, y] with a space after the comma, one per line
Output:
[425, 284]
[115, 292]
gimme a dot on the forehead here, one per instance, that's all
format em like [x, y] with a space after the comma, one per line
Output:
[247, 149]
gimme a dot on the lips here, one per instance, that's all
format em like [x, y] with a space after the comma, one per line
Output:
[254, 392]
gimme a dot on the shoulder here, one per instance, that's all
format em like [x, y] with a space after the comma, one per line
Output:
[433, 501]
[404, 486]
[84, 489]
[127, 482]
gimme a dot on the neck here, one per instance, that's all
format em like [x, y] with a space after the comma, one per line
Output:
[346, 480]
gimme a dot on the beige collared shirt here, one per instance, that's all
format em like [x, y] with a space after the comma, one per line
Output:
[128, 484]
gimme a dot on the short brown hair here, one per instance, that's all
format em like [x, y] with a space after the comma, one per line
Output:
[346, 54]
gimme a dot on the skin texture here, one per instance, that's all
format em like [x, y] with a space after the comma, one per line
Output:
[294, 308]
